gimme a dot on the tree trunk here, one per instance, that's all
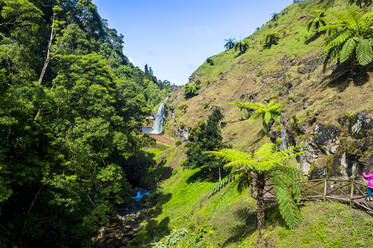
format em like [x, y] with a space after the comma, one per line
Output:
[47, 59]
[260, 183]
[46, 63]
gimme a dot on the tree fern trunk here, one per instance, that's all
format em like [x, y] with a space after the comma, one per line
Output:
[260, 183]
[243, 115]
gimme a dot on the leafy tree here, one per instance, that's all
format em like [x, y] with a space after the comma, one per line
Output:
[350, 37]
[242, 46]
[71, 106]
[271, 39]
[360, 3]
[205, 137]
[229, 43]
[266, 164]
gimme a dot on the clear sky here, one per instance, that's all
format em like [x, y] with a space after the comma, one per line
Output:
[174, 37]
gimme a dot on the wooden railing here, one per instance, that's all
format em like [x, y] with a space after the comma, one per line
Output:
[349, 191]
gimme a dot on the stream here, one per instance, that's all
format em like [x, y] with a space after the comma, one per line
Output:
[123, 227]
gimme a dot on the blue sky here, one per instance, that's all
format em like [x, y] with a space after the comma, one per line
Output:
[174, 37]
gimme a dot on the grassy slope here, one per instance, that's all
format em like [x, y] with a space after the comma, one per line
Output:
[213, 223]
[313, 94]
[228, 220]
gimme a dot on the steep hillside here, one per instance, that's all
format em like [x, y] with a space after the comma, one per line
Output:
[330, 110]
[228, 219]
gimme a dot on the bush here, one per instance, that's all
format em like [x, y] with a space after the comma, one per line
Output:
[205, 137]
[210, 61]
[191, 89]
[178, 142]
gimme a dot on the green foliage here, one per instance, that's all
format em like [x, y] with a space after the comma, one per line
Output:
[270, 112]
[230, 43]
[71, 106]
[243, 108]
[178, 142]
[191, 89]
[317, 20]
[242, 46]
[271, 39]
[266, 164]
[183, 107]
[173, 239]
[210, 61]
[205, 137]
[360, 3]
[350, 36]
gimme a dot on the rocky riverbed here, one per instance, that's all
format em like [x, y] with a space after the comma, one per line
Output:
[125, 225]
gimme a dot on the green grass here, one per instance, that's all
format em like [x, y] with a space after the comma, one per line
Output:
[228, 219]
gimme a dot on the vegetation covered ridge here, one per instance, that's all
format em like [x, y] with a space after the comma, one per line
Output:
[71, 108]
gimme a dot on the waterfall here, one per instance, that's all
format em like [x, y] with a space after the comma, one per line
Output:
[159, 120]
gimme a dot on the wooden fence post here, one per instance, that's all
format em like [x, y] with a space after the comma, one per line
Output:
[325, 184]
[352, 191]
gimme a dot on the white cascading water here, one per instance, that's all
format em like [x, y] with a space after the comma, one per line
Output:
[159, 120]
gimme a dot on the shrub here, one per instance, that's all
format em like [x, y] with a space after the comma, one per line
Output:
[205, 137]
[210, 61]
[178, 142]
[191, 89]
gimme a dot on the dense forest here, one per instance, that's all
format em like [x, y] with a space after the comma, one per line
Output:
[71, 108]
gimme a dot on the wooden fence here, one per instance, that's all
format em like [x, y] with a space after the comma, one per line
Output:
[348, 191]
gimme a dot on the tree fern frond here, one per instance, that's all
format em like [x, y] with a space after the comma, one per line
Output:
[232, 185]
[224, 182]
[339, 40]
[267, 117]
[229, 155]
[364, 53]
[244, 182]
[288, 209]
[348, 48]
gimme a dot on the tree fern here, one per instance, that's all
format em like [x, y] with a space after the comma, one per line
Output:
[268, 112]
[267, 163]
[360, 3]
[350, 34]
[242, 46]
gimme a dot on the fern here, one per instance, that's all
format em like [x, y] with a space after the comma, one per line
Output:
[266, 163]
[224, 182]
[348, 48]
[364, 53]
[350, 36]
[288, 209]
